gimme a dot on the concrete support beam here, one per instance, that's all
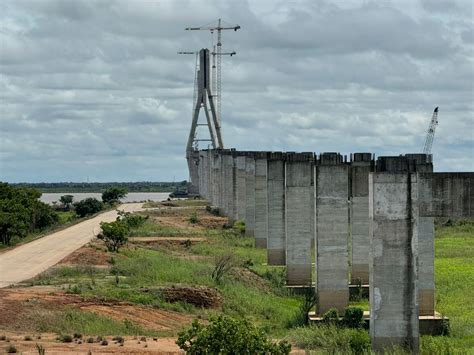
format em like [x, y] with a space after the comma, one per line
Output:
[361, 165]
[394, 261]
[332, 233]
[276, 245]
[261, 200]
[240, 186]
[299, 219]
[250, 195]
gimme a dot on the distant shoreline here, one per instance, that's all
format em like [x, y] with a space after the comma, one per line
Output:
[99, 187]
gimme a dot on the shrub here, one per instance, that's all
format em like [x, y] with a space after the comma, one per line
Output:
[41, 350]
[223, 264]
[301, 317]
[66, 338]
[28, 338]
[90, 340]
[331, 316]
[77, 336]
[114, 234]
[240, 226]
[104, 342]
[11, 349]
[3, 337]
[359, 342]
[193, 219]
[225, 335]
[88, 206]
[353, 317]
[133, 220]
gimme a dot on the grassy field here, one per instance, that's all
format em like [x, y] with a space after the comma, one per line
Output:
[252, 289]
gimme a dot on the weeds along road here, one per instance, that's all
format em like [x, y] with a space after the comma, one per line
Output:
[28, 260]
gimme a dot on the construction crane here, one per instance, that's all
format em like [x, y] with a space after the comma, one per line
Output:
[431, 132]
[217, 55]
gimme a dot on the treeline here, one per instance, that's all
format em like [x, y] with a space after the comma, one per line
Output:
[22, 213]
[141, 186]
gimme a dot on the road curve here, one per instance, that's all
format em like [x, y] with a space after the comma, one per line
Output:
[28, 260]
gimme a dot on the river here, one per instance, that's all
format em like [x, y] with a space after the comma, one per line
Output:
[131, 196]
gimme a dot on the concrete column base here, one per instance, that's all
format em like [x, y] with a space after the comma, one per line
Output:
[276, 256]
[329, 299]
[261, 243]
[360, 273]
[298, 275]
[426, 302]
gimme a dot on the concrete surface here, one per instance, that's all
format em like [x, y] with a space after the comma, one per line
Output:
[261, 201]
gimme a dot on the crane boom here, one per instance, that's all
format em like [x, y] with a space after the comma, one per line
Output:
[431, 132]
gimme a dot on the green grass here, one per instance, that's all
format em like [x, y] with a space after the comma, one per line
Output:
[454, 270]
[87, 323]
[152, 229]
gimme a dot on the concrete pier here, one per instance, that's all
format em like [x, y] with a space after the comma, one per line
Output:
[261, 200]
[421, 163]
[228, 184]
[332, 233]
[361, 165]
[250, 195]
[240, 186]
[276, 245]
[299, 210]
[394, 261]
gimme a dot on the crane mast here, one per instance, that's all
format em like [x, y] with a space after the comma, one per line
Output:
[431, 132]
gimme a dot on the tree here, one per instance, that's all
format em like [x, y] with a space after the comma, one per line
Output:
[21, 212]
[88, 206]
[113, 195]
[225, 335]
[114, 234]
[66, 200]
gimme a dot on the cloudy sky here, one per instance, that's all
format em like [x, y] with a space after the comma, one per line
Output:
[94, 90]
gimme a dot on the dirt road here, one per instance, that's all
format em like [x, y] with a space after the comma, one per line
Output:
[28, 260]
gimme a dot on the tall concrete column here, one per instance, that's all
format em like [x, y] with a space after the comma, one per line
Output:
[361, 165]
[241, 186]
[299, 210]
[228, 183]
[332, 233]
[250, 195]
[426, 284]
[394, 260]
[205, 174]
[276, 253]
[261, 200]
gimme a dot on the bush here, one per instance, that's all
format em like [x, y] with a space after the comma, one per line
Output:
[223, 264]
[133, 220]
[331, 317]
[104, 342]
[193, 219]
[225, 335]
[28, 338]
[88, 206]
[240, 226]
[66, 338]
[353, 317]
[359, 342]
[114, 234]
[90, 340]
[11, 349]
[301, 318]
[113, 195]
[40, 349]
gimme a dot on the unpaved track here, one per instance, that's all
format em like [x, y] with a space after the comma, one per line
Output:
[28, 260]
